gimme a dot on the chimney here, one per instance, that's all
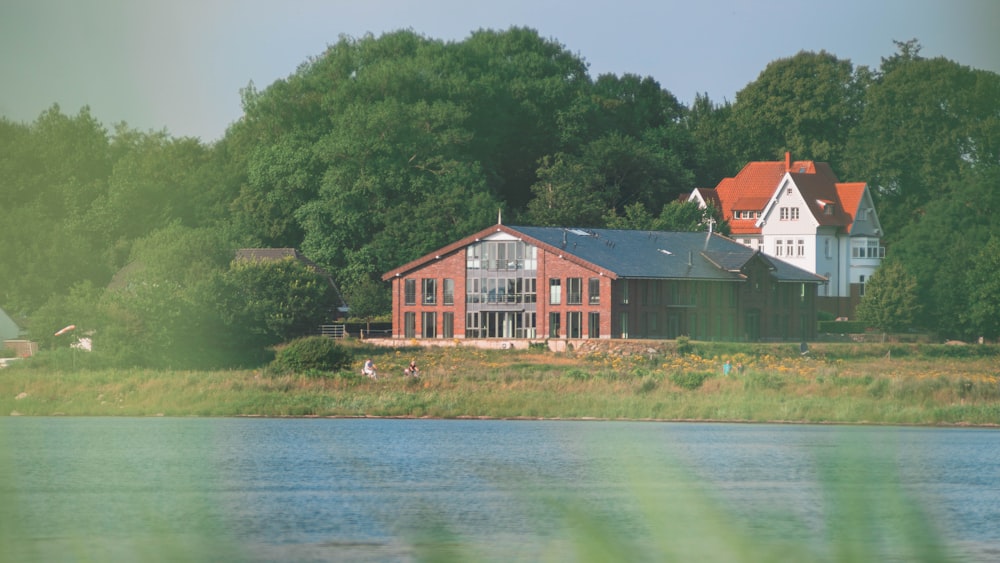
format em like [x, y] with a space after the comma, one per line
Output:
[788, 161]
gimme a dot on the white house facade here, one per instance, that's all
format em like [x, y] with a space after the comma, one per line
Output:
[807, 218]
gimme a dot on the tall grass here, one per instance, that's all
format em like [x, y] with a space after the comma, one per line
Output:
[775, 384]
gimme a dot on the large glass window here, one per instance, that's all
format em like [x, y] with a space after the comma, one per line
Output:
[429, 291]
[410, 325]
[593, 325]
[555, 291]
[428, 323]
[472, 325]
[448, 325]
[574, 324]
[574, 291]
[409, 292]
[530, 293]
[554, 327]
[449, 292]
[594, 291]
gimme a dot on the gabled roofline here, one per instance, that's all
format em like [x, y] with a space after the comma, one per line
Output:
[493, 229]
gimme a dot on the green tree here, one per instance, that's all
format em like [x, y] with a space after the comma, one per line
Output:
[937, 246]
[567, 193]
[984, 291]
[924, 122]
[714, 141]
[674, 216]
[369, 299]
[891, 302]
[51, 173]
[160, 309]
[806, 104]
[263, 303]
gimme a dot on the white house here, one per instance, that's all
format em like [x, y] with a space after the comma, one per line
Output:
[800, 213]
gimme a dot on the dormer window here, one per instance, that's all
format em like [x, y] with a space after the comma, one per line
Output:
[828, 209]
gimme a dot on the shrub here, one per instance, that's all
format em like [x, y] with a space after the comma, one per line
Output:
[648, 385]
[689, 380]
[311, 354]
[763, 380]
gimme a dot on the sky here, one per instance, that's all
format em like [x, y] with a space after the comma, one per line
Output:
[179, 65]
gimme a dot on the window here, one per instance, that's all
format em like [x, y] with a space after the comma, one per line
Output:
[574, 291]
[795, 213]
[862, 281]
[783, 213]
[448, 325]
[574, 322]
[410, 324]
[449, 292]
[429, 290]
[867, 248]
[594, 291]
[410, 292]
[555, 291]
[593, 325]
[428, 323]
[800, 248]
[472, 325]
[554, 325]
[779, 250]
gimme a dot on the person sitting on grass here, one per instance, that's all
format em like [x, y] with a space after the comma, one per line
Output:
[412, 369]
[369, 369]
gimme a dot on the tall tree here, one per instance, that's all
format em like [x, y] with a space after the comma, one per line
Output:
[714, 140]
[983, 286]
[937, 246]
[891, 302]
[806, 104]
[925, 120]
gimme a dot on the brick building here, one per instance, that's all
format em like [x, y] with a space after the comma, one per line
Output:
[539, 283]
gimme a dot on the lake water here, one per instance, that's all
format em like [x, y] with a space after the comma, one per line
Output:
[127, 489]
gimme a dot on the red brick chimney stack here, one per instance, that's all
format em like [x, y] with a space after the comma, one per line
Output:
[788, 161]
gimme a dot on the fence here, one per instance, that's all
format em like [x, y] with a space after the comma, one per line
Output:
[333, 331]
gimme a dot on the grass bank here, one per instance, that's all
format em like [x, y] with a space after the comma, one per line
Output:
[835, 383]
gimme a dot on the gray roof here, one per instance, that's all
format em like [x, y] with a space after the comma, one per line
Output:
[660, 254]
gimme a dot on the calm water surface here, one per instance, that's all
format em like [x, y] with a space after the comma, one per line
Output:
[107, 489]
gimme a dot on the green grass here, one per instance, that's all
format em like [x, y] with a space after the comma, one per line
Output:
[776, 385]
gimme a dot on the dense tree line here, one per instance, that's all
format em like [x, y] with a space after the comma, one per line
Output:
[383, 148]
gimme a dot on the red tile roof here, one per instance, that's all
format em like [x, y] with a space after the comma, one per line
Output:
[850, 198]
[752, 188]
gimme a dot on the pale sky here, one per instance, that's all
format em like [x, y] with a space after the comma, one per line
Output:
[179, 65]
